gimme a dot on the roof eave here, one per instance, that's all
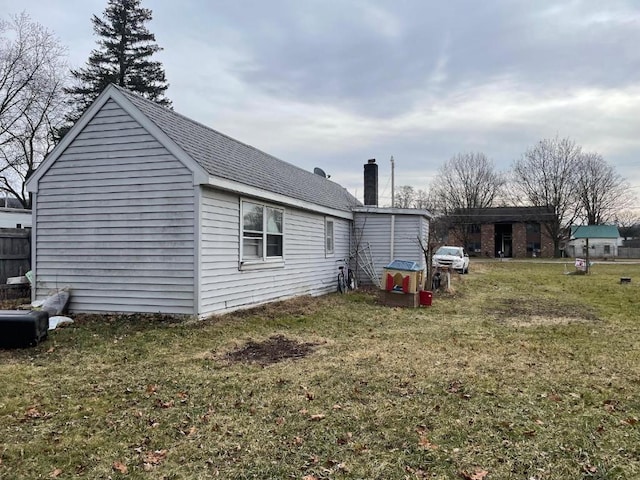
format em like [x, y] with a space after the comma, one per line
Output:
[249, 191]
[392, 211]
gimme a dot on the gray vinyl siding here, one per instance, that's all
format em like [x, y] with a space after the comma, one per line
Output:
[374, 231]
[115, 221]
[307, 270]
[406, 244]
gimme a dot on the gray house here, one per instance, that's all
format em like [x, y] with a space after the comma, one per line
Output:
[139, 209]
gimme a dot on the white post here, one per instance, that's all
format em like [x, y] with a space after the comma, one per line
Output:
[392, 245]
[392, 182]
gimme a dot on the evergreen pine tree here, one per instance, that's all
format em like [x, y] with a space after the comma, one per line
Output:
[123, 57]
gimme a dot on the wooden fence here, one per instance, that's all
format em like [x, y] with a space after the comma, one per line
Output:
[15, 252]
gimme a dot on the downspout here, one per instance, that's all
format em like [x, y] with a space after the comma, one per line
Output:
[34, 229]
[197, 249]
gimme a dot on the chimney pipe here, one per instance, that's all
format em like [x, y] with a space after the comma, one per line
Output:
[371, 183]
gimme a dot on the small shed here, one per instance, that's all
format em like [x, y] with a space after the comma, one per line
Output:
[387, 234]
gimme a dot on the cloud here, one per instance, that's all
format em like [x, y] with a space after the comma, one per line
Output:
[331, 83]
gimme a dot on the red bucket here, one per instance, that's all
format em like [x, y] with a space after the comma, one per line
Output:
[425, 298]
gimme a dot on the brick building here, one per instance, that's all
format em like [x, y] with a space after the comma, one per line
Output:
[518, 232]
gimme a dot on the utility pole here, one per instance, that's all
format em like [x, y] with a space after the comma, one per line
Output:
[392, 183]
[586, 268]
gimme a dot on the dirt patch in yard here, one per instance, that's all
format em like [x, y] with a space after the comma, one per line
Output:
[533, 312]
[272, 350]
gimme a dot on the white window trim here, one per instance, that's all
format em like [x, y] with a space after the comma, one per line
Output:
[264, 262]
[327, 252]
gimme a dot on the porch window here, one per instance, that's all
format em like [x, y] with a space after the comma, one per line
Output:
[262, 233]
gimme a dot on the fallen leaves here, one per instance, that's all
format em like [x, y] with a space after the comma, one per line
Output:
[56, 473]
[120, 467]
[425, 444]
[417, 473]
[309, 395]
[316, 417]
[188, 433]
[167, 404]
[611, 405]
[555, 397]
[151, 389]
[477, 474]
[455, 386]
[153, 458]
[345, 439]
[33, 412]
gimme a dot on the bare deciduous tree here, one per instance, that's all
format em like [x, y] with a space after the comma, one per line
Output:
[465, 182]
[600, 190]
[628, 222]
[421, 200]
[32, 74]
[404, 197]
[545, 176]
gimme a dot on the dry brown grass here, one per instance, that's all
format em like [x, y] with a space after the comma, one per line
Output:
[523, 373]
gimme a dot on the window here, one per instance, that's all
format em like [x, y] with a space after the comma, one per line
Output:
[328, 234]
[474, 247]
[475, 228]
[262, 232]
[532, 227]
[533, 248]
[607, 249]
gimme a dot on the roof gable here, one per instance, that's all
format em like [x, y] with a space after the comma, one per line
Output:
[224, 157]
[112, 93]
[209, 153]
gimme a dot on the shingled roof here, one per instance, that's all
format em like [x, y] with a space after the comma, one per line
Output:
[224, 157]
[594, 231]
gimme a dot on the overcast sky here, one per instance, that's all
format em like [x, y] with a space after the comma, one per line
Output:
[332, 83]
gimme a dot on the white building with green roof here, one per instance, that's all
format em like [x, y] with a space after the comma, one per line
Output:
[602, 240]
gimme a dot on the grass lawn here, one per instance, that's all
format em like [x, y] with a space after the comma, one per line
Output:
[521, 373]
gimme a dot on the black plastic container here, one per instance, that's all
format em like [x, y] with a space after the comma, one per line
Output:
[23, 328]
